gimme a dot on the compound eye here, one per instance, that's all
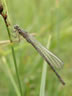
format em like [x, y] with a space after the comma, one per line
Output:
[16, 27]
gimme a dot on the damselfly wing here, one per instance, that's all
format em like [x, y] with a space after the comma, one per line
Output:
[53, 59]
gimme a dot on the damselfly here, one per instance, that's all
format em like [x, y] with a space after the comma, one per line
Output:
[48, 56]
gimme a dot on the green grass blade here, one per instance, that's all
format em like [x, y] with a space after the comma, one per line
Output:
[8, 73]
[44, 71]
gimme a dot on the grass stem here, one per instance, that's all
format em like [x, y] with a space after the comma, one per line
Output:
[5, 17]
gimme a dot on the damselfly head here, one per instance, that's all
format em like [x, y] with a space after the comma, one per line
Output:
[16, 26]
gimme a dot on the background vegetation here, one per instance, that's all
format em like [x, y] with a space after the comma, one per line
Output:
[44, 18]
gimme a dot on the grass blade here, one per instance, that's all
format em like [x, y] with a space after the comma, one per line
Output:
[44, 71]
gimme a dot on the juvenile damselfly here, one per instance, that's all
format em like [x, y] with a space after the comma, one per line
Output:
[48, 56]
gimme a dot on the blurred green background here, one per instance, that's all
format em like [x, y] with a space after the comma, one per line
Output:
[44, 18]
